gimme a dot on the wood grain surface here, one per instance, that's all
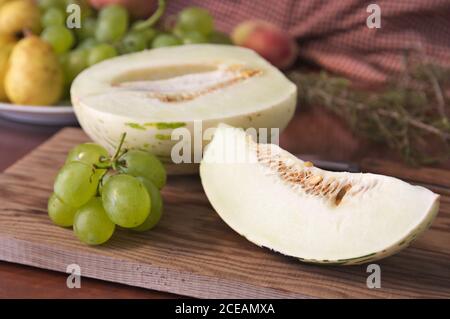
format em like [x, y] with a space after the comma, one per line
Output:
[192, 252]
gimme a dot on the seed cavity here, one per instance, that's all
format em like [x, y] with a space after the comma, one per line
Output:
[314, 180]
[307, 179]
[189, 87]
[340, 195]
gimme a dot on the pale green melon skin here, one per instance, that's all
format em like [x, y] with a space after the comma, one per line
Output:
[106, 128]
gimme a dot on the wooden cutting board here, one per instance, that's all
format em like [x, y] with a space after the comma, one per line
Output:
[194, 253]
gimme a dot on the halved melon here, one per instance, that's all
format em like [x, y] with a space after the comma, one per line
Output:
[151, 93]
[280, 202]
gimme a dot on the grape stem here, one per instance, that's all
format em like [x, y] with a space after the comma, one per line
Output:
[118, 150]
[153, 18]
[113, 162]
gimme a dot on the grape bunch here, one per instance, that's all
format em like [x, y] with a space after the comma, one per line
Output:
[94, 192]
[192, 25]
[112, 31]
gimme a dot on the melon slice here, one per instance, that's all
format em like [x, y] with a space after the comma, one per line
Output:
[280, 202]
[151, 93]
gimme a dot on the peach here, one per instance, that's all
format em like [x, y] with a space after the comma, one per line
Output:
[138, 8]
[274, 44]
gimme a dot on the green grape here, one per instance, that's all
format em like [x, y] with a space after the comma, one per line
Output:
[76, 183]
[60, 38]
[47, 4]
[196, 19]
[110, 31]
[140, 163]
[219, 38]
[74, 63]
[101, 52]
[85, 8]
[165, 40]
[194, 37]
[87, 30]
[77, 62]
[178, 32]
[53, 16]
[113, 11]
[88, 153]
[63, 58]
[126, 200]
[104, 180]
[88, 43]
[91, 223]
[59, 212]
[157, 206]
[112, 23]
[133, 42]
[150, 34]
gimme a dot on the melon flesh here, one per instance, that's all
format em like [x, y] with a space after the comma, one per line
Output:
[149, 94]
[280, 202]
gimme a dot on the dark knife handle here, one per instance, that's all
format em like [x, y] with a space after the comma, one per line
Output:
[335, 166]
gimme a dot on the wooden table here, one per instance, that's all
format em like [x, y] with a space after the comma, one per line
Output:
[312, 132]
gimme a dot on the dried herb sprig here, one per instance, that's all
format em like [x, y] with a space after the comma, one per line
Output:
[411, 115]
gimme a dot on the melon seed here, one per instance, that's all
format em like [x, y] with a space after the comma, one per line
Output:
[316, 179]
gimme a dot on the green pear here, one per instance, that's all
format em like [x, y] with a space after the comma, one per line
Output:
[19, 16]
[34, 75]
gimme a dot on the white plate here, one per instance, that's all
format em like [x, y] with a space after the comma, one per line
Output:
[44, 115]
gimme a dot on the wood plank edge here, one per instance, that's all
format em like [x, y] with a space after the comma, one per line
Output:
[139, 275]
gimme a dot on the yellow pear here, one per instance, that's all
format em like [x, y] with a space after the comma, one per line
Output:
[18, 16]
[7, 43]
[5, 51]
[34, 75]
[2, 2]
[6, 39]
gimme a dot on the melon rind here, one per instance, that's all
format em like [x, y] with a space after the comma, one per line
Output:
[260, 205]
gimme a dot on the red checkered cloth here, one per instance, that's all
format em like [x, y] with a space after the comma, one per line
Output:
[334, 33]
